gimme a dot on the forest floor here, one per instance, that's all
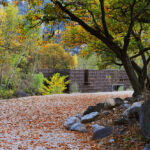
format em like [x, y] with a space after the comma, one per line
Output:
[36, 123]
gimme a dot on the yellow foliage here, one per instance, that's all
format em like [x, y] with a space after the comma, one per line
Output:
[56, 85]
[54, 56]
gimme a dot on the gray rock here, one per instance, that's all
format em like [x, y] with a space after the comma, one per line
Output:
[105, 112]
[134, 99]
[138, 98]
[145, 119]
[118, 101]
[128, 99]
[89, 117]
[96, 108]
[20, 93]
[97, 127]
[133, 111]
[110, 103]
[79, 116]
[121, 121]
[125, 106]
[78, 127]
[111, 140]
[101, 133]
[70, 121]
[147, 147]
[114, 109]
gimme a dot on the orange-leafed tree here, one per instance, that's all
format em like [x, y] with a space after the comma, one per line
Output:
[53, 56]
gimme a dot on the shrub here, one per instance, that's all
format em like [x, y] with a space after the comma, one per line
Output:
[74, 88]
[37, 82]
[56, 85]
[4, 93]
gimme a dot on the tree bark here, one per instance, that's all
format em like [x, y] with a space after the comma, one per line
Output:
[1, 74]
[132, 75]
[13, 72]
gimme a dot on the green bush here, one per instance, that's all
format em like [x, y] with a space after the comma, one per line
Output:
[74, 88]
[56, 85]
[4, 93]
[37, 82]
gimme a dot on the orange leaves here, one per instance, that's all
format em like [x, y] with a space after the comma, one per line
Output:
[15, 3]
[38, 122]
[54, 56]
[3, 131]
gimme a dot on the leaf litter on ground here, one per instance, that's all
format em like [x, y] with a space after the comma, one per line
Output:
[37, 122]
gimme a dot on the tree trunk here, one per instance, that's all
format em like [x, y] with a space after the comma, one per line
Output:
[13, 71]
[132, 75]
[1, 74]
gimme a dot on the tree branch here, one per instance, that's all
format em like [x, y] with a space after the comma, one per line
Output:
[136, 67]
[115, 48]
[104, 20]
[144, 20]
[127, 37]
[95, 23]
[140, 53]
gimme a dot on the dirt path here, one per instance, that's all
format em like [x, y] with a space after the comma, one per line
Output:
[37, 122]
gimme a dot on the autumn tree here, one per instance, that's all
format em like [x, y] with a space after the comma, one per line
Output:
[53, 56]
[9, 42]
[90, 48]
[123, 27]
[17, 45]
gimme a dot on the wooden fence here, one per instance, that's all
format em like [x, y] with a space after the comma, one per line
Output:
[93, 80]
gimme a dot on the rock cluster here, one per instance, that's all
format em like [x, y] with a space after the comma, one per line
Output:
[135, 110]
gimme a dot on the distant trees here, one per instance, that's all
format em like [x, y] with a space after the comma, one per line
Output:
[53, 56]
[93, 53]
[11, 50]
[18, 45]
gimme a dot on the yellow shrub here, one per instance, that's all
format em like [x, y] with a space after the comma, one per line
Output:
[56, 85]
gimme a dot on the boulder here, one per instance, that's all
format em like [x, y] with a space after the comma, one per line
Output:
[145, 119]
[133, 111]
[97, 127]
[78, 116]
[89, 117]
[128, 99]
[105, 112]
[134, 99]
[125, 106]
[96, 108]
[110, 103]
[118, 101]
[78, 127]
[138, 98]
[101, 133]
[70, 121]
[20, 93]
[125, 102]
